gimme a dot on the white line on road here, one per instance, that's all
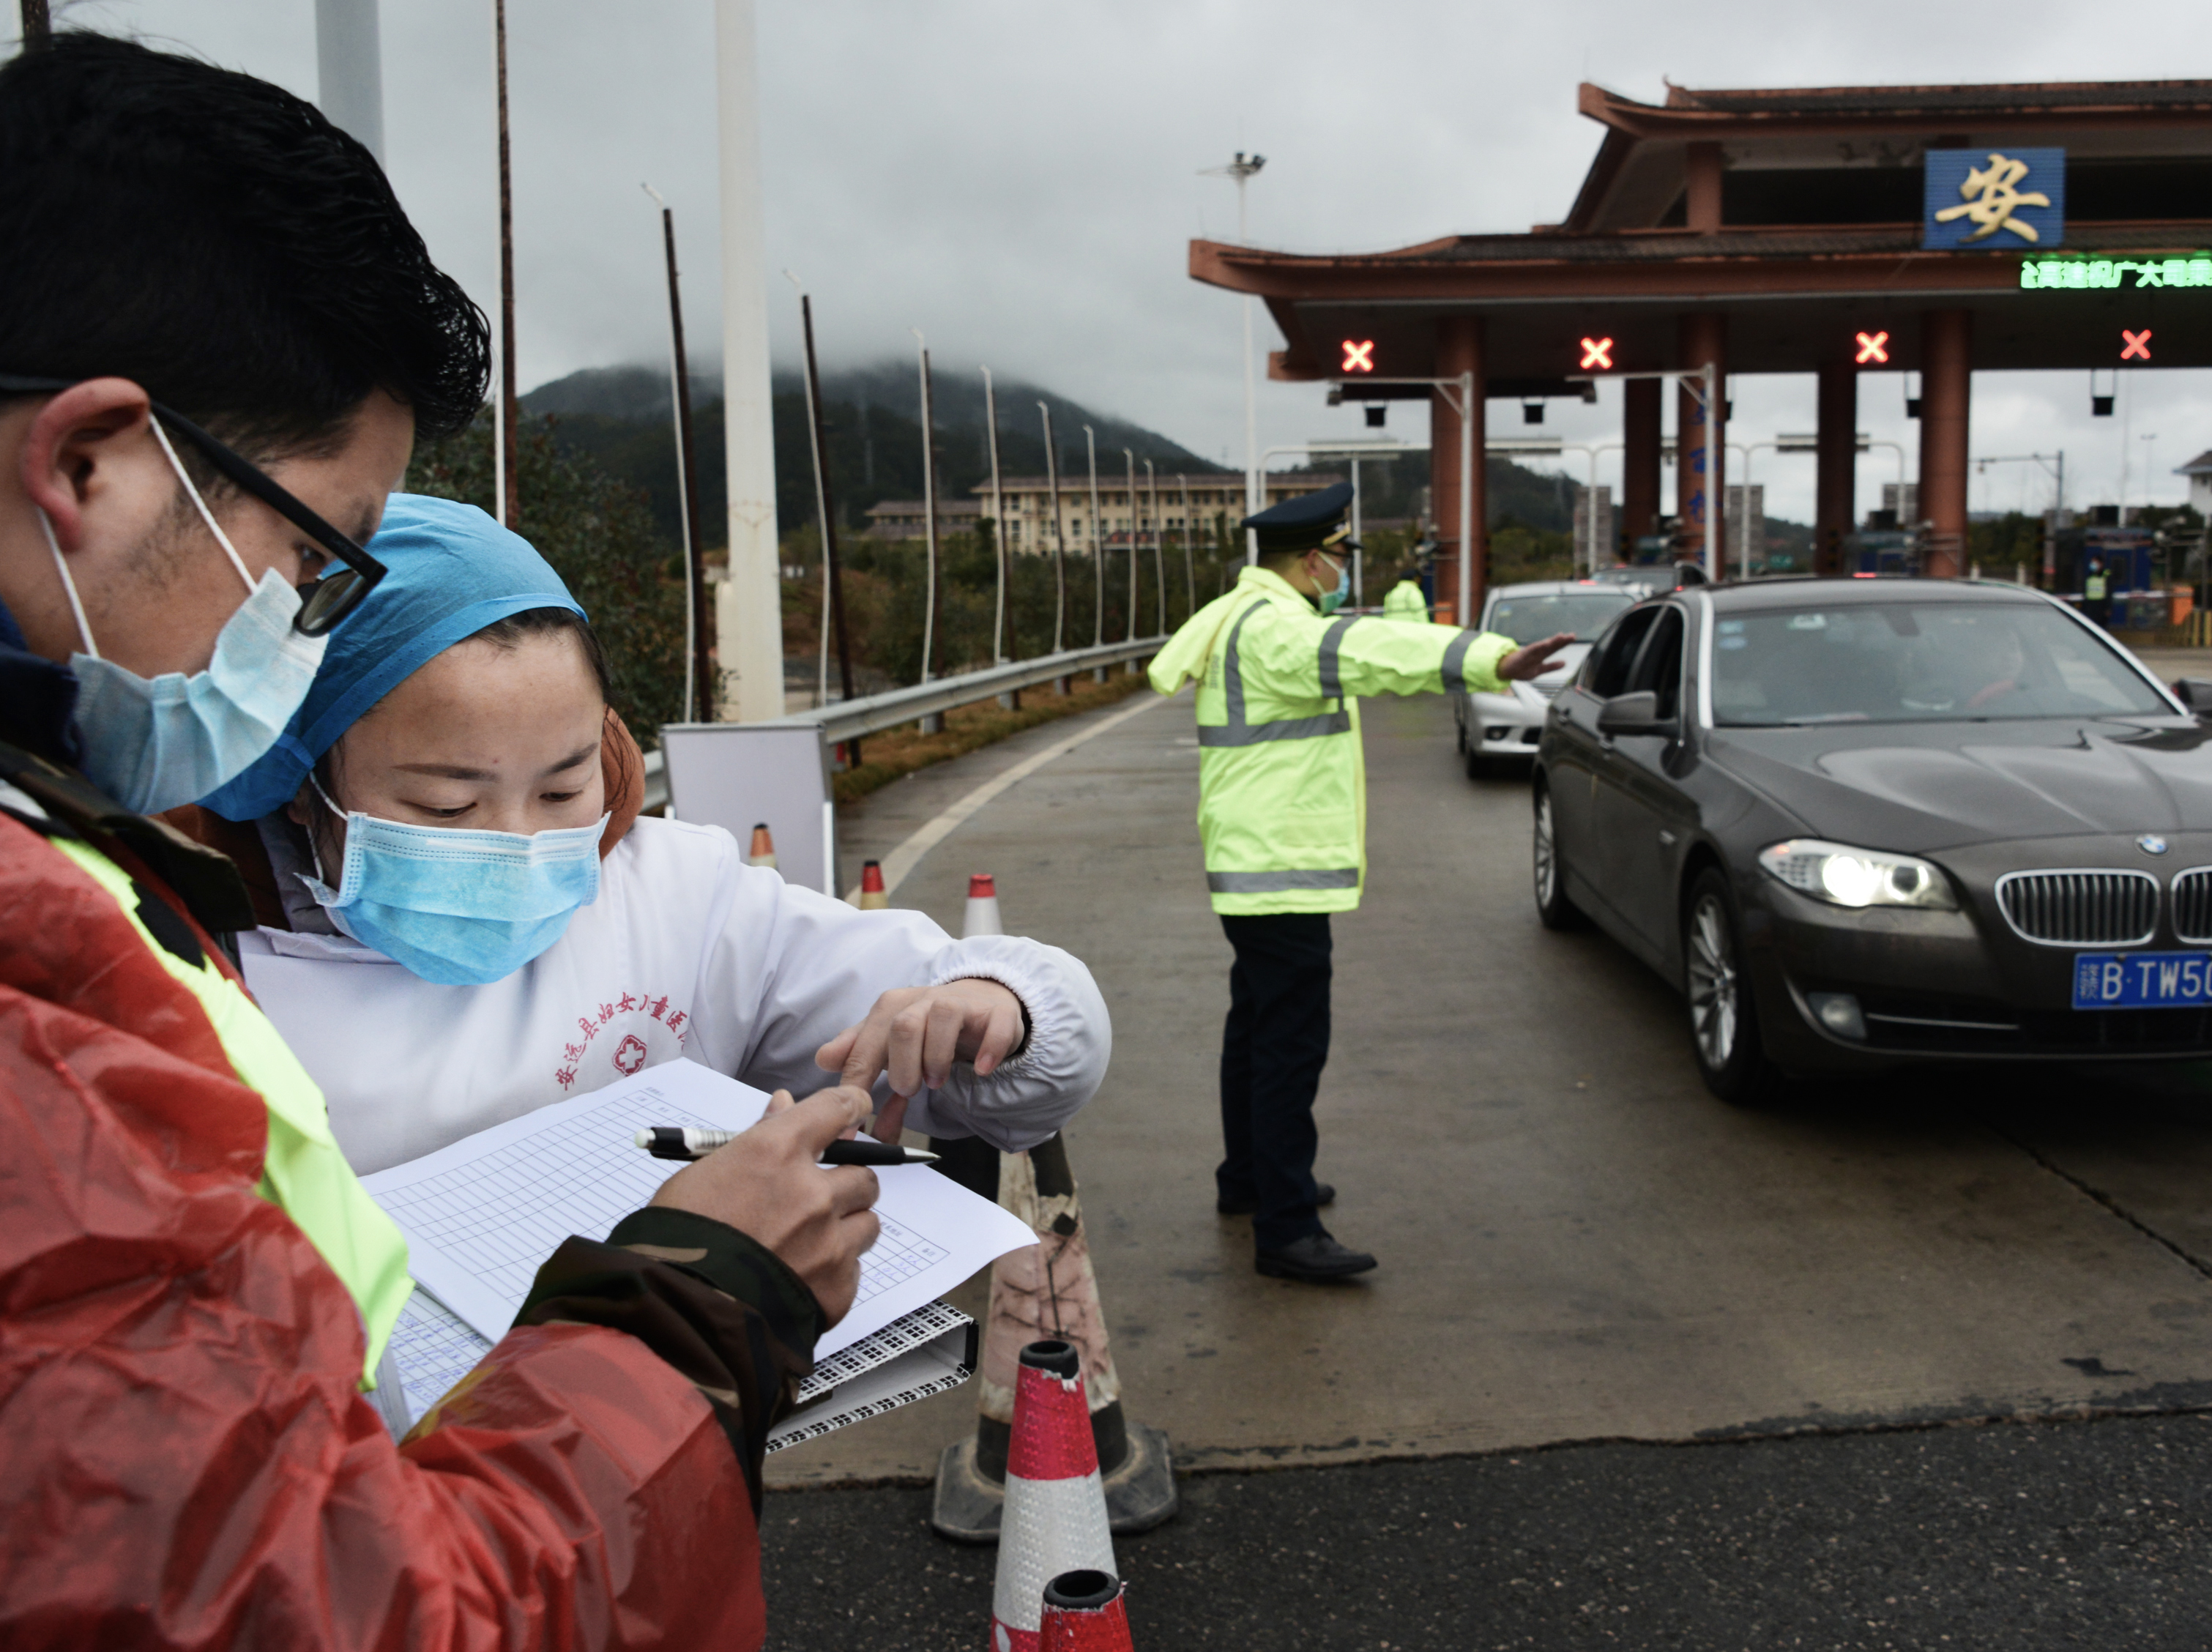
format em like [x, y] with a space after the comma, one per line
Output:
[903, 859]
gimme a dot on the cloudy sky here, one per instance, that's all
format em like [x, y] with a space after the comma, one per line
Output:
[1021, 180]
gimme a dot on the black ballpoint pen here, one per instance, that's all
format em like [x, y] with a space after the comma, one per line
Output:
[684, 1142]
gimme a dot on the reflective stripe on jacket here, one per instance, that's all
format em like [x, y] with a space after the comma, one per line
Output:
[1404, 601]
[303, 1174]
[1282, 807]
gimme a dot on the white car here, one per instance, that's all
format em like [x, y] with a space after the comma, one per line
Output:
[1500, 730]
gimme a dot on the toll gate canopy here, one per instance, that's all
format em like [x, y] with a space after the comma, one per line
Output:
[1834, 231]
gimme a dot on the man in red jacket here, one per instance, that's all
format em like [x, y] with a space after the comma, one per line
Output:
[219, 336]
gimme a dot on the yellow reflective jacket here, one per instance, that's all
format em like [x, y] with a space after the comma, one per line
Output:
[1404, 601]
[1282, 790]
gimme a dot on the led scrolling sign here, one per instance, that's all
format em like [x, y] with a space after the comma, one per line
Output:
[2081, 275]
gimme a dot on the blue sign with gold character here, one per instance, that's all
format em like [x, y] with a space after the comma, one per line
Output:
[1997, 200]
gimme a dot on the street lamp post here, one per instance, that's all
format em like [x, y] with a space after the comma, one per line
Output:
[1098, 548]
[1058, 541]
[1243, 168]
[998, 520]
[1130, 460]
[1159, 550]
[1189, 570]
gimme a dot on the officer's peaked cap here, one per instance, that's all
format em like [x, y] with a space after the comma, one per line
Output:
[1310, 522]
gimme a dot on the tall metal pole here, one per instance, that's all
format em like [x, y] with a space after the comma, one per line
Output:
[1159, 550]
[1465, 499]
[750, 617]
[38, 29]
[1059, 540]
[508, 485]
[1098, 544]
[1189, 570]
[348, 67]
[1130, 460]
[998, 521]
[929, 513]
[832, 574]
[1241, 168]
[698, 687]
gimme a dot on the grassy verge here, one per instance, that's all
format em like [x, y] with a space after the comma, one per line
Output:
[902, 750]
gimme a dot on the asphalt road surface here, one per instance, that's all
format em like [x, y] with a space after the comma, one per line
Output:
[1913, 1363]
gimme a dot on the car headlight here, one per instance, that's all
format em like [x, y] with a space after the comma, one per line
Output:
[1845, 876]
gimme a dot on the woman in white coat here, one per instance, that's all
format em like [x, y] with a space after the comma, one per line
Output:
[465, 917]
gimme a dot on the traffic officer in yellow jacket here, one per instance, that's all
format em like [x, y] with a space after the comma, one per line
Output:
[1282, 812]
[1405, 601]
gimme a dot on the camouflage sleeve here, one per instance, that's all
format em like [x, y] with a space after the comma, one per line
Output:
[716, 1305]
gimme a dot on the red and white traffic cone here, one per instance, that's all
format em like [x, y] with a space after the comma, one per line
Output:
[1055, 1518]
[982, 917]
[1082, 1612]
[872, 895]
[762, 853]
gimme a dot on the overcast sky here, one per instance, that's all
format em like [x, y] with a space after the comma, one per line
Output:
[1021, 179]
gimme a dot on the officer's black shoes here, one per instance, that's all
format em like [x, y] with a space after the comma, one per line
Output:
[1324, 1195]
[1316, 1259]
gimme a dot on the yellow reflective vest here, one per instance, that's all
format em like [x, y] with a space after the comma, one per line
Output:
[304, 1173]
[1404, 601]
[1282, 790]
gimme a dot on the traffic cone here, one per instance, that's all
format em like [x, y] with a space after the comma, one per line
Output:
[762, 853]
[1048, 1290]
[982, 907]
[1055, 1506]
[1082, 1612]
[873, 897]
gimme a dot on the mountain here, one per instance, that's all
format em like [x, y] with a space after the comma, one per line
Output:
[872, 418]
[621, 416]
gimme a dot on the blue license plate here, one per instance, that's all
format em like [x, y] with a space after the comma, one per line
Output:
[2139, 980]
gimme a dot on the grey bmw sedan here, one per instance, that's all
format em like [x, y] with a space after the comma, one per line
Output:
[1861, 822]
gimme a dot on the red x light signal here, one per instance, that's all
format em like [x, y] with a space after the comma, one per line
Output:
[1873, 346]
[1596, 353]
[1359, 356]
[2138, 345]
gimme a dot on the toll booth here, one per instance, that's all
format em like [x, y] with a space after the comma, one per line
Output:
[2129, 555]
[1879, 550]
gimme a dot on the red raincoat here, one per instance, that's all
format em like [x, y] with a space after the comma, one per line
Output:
[187, 1460]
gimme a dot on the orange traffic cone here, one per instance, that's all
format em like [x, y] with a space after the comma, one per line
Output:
[1055, 1507]
[982, 907]
[1082, 1612]
[762, 853]
[1048, 1290]
[873, 897]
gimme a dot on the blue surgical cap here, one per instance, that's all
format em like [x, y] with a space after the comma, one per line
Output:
[453, 571]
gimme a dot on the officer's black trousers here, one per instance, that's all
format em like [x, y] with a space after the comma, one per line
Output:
[1272, 1050]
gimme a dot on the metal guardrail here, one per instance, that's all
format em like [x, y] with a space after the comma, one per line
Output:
[844, 719]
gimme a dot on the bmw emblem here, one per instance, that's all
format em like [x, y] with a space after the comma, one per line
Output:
[2151, 843]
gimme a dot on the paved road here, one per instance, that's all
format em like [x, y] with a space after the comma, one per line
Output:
[1578, 1244]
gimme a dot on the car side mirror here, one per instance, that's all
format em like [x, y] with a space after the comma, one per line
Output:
[1634, 714]
[2196, 692]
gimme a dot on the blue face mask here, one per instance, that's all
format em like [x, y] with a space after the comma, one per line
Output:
[459, 908]
[1333, 600]
[154, 744]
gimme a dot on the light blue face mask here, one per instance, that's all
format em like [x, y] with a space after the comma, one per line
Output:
[1333, 600]
[153, 745]
[459, 908]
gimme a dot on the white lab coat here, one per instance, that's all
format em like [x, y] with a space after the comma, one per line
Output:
[687, 951]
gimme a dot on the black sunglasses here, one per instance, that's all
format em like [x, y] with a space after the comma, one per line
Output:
[324, 602]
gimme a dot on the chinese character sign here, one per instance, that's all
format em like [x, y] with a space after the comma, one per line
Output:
[2010, 199]
[2079, 273]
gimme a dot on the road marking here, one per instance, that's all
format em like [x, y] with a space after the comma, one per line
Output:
[908, 856]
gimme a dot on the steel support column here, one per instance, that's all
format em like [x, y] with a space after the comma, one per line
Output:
[1459, 350]
[1835, 466]
[1946, 394]
[1640, 438]
[1701, 438]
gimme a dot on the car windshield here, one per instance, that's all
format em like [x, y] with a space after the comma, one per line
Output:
[1531, 619]
[1910, 662]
